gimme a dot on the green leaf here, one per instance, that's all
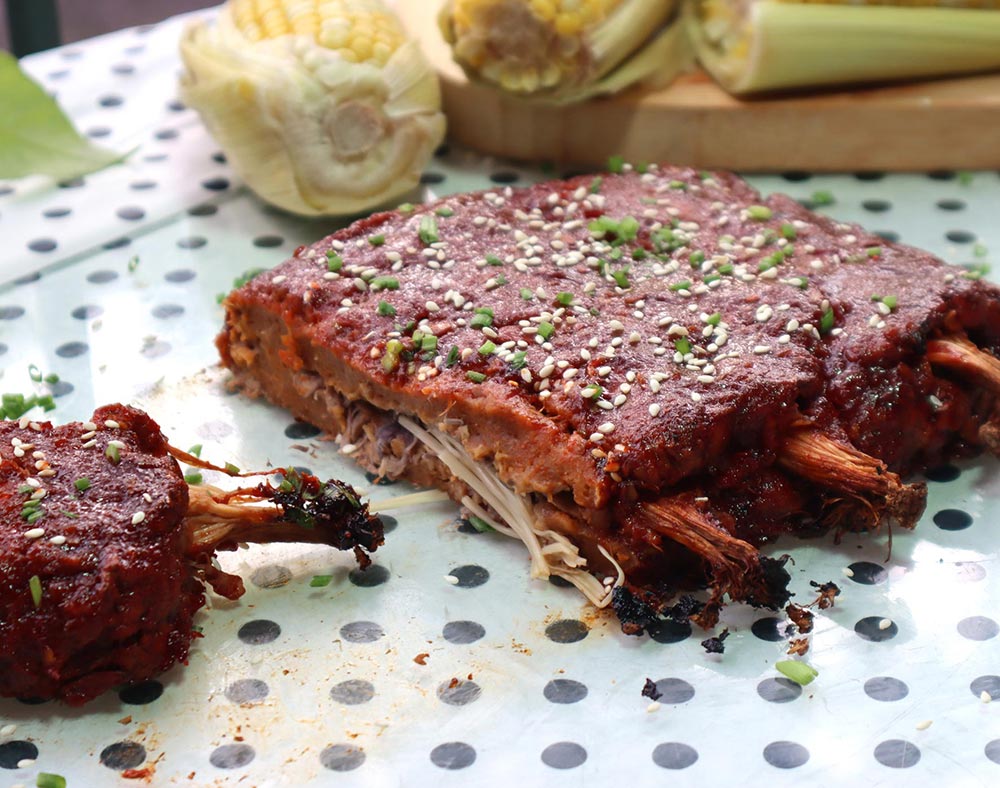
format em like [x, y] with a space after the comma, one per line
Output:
[36, 137]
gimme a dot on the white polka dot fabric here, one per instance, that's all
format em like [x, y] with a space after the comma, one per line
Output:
[444, 663]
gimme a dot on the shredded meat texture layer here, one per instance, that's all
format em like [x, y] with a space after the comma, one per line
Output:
[668, 367]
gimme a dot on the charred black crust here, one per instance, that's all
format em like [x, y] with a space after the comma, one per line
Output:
[715, 645]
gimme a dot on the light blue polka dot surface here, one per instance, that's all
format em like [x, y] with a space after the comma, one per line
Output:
[401, 676]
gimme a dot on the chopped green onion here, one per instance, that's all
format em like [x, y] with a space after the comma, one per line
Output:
[821, 199]
[483, 317]
[69, 514]
[595, 185]
[616, 164]
[492, 259]
[682, 346]
[714, 319]
[385, 283]
[195, 450]
[390, 359]
[475, 377]
[487, 347]
[696, 258]
[621, 278]
[444, 211]
[52, 378]
[874, 251]
[320, 581]
[639, 253]
[428, 231]
[480, 524]
[81, 484]
[800, 672]
[891, 301]
[685, 285]
[980, 250]
[112, 453]
[545, 329]
[376, 240]
[678, 185]
[452, 357]
[826, 322]
[592, 391]
[193, 478]
[35, 586]
[334, 262]
[133, 263]
[34, 373]
[788, 231]
[231, 469]
[759, 213]
[385, 309]
[564, 298]
[406, 207]
[25, 489]
[527, 294]
[425, 342]
[500, 279]
[726, 269]
[519, 361]
[965, 178]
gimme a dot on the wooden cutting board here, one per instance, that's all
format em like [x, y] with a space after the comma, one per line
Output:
[948, 124]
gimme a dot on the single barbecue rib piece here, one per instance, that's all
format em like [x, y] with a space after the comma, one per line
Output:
[104, 549]
[643, 376]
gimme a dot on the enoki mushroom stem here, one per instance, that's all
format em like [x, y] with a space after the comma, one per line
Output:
[839, 467]
[960, 355]
[735, 567]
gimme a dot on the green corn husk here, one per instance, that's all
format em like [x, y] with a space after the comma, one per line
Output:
[768, 45]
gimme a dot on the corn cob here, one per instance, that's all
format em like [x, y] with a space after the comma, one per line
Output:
[322, 106]
[760, 45]
[564, 50]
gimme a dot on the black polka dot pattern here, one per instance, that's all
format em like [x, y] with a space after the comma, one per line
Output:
[669, 631]
[123, 755]
[988, 684]
[180, 275]
[886, 689]
[866, 573]
[72, 349]
[779, 690]
[247, 691]
[11, 312]
[232, 756]
[462, 633]
[215, 184]
[772, 629]
[992, 750]
[42, 245]
[130, 213]
[564, 755]
[191, 242]
[142, 693]
[459, 692]
[13, 752]
[952, 520]
[786, 754]
[342, 757]
[353, 692]
[469, 576]
[674, 755]
[943, 473]
[101, 277]
[876, 628]
[259, 632]
[673, 691]
[567, 630]
[978, 628]
[301, 430]
[374, 575]
[87, 312]
[167, 311]
[268, 241]
[453, 755]
[897, 754]
[361, 632]
[565, 691]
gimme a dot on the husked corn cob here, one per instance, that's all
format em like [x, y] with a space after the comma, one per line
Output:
[322, 106]
[759, 45]
[560, 49]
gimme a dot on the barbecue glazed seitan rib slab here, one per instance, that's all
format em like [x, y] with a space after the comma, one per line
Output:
[643, 376]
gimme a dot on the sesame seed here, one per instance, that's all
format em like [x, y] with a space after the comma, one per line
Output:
[25, 763]
[278, 279]
[605, 405]
[761, 350]
[606, 428]
[764, 313]
[147, 497]
[620, 400]
[32, 482]
[985, 697]
[885, 623]
[111, 424]
[47, 472]
[706, 379]
[696, 396]
[430, 306]
[8, 730]
[87, 435]
[23, 422]
[34, 533]
[451, 579]
[654, 410]
[924, 725]
[58, 541]
[547, 370]
[38, 455]
[595, 437]
[654, 706]
[37, 495]
[138, 517]
[848, 572]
